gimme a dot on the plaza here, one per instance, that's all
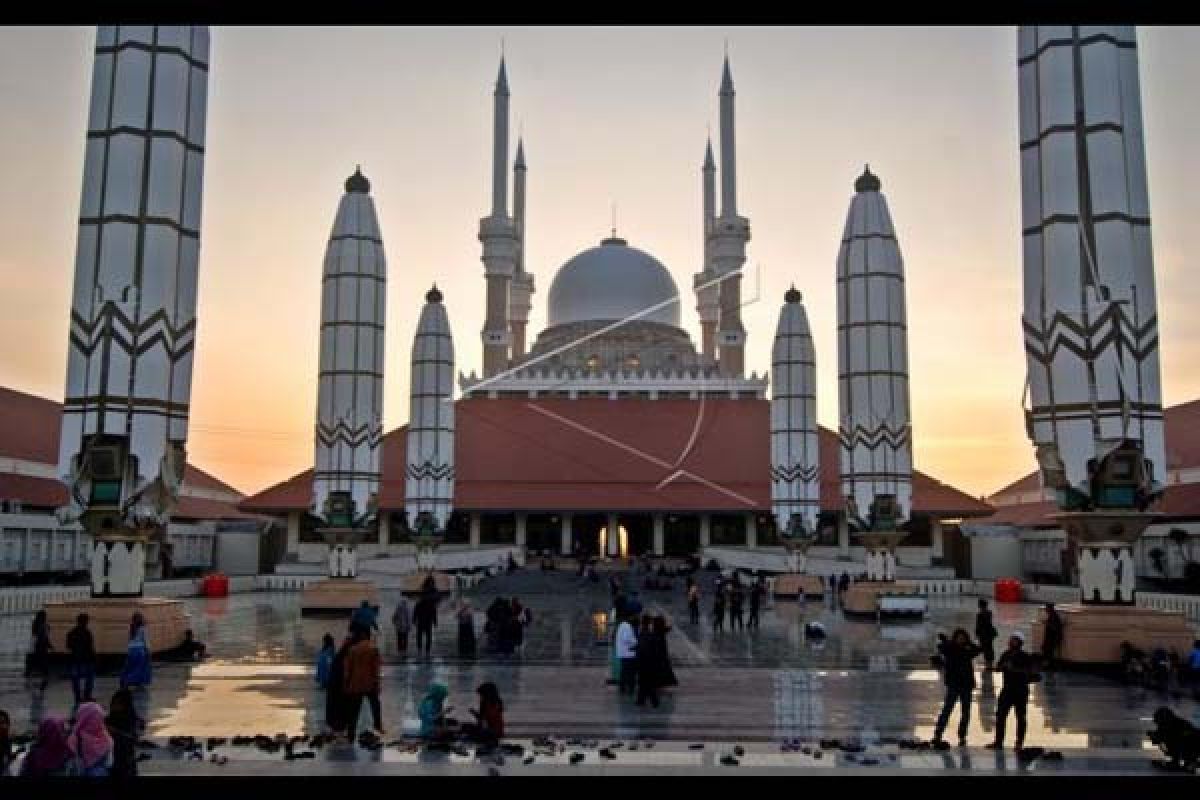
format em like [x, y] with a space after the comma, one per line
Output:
[866, 683]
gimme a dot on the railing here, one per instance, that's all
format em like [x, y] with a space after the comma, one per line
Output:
[1188, 604]
[28, 599]
[286, 583]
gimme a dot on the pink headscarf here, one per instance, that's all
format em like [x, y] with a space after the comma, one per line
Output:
[89, 739]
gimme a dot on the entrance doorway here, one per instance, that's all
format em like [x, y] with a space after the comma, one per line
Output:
[681, 534]
[587, 534]
[639, 534]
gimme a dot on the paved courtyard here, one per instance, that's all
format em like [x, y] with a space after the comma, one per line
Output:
[866, 683]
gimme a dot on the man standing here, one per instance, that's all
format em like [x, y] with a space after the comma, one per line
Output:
[986, 632]
[425, 618]
[1017, 668]
[82, 648]
[959, 676]
[756, 597]
[627, 643]
[693, 598]
[1053, 637]
[363, 678]
[736, 599]
[402, 622]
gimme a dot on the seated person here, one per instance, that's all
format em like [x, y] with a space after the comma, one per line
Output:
[1177, 737]
[432, 713]
[488, 727]
[1133, 664]
[191, 649]
[814, 630]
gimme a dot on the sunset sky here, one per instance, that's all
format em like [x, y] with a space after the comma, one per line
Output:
[609, 115]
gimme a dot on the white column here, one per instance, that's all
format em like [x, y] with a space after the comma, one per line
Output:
[705, 531]
[565, 541]
[476, 525]
[384, 521]
[843, 529]
[751, 530]
[613, 542]
[938, 547]
[522, 520]
[659, 534]
[293, 533]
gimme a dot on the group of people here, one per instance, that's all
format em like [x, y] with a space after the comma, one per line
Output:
[505, 627]
[422, 616]
[641, 661]
[438, 726]
[350, 674]
[90, 744]
[731, 595]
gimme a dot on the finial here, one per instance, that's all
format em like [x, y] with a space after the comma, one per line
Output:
[434, 295]
[614, 220]
[520, 161]
[868, 181]
[792, 295]
[358, 182]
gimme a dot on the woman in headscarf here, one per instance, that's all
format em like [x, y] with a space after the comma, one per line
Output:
[90, 742]
[336, 700]
[39, 650]
[137, 671]
[49, 755]
[432, 713]
[124, 726]
[325, 660]
[466, 631]
[488, 727]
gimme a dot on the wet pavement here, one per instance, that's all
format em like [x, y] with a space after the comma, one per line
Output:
[866, 683]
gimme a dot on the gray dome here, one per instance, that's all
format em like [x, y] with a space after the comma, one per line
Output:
[610, 282]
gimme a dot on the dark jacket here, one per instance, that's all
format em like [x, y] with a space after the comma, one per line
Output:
[958, 671]
[362, 668]
[124, 731]
[984, 629]
[1054, 631]
[425, 612]
[1018, 669]
[82, 646]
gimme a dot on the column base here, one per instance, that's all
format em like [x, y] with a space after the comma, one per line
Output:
[867, 598]
[337, 596]
[1092, 634]
[109, 618]
[793, 584]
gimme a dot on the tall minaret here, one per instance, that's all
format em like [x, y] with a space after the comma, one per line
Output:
[429, 470]
[349, 429]
[728, 242]
[122, 446]
[875, 425]
[499, 237]
[795, 478]
[708, 292]
[1090, 319]
[521, 291]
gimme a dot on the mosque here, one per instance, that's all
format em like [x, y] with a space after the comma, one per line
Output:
[613, 433]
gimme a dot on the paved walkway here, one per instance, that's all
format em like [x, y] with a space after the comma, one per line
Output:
[866, 683]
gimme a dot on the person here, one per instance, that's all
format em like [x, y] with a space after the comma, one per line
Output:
[986, 633]
[363, 678]
[137, 670]
[1192, 665]
[512, 564]
[757, 593]
[49, 755]
[814, 630]
[38, 661]
[325, 660]
[1017, 666]
[466, 631]
[365, 616]
[627, 644]
[958, 652]
[718, 612]
[494, 625]
[488, 728]
[736, 600]
[425, 620]
[82, 648]
[335, 691]
[402, 622]
[650, 656]
[693, 599]
[192, 650]
[843, 584]
[432, 713]
[1177, 738]
[614, 586]
[1134, 669]
[1053, 636]
[90, 743]
[666, 672]
[6, 755]
[124, 727]
[516, 626]
[1160, 669]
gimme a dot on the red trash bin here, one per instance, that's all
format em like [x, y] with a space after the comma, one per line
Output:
[1008, 590]
[215, 585]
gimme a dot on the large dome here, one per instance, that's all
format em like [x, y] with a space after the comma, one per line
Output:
[610, 282]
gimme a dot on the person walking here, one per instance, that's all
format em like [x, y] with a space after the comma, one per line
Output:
[363, 678]
[38, 661]
[627, 645]
[516, 626]
[137, 670]
[82, 648]
[124, 726]
[843, 585]
[757, 593]
[425, 620]
[986, 633]
[90, 743]
[650, 656]
[365, 616]
[666, 672]
[466, 630]
[958, 652]
[736, 600]
[693, 600]
[718, 612]
[1017, 666]
[335, 689]
[325, 660]
[402, 623]
[1052, 637]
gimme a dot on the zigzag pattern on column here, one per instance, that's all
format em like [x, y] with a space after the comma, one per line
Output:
[371, 434]
[110, 323]
[429, 470]
[873, 438]
[1088, 342]
[793, 474]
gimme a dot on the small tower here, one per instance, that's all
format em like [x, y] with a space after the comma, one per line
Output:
[795, 458]
[707, 290]
[498, 234]
[521, 291]
[429, 470]
[728, 245]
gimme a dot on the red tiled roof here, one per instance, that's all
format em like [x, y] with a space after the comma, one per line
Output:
[594, 454]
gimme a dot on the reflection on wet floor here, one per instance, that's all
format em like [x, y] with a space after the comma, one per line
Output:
[865, 681]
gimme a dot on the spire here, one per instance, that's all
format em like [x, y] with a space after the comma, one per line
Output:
[434, 295]
[710, 198]
[709, 164]
[520, 162]
[502, 79]
[519, 203]
[500, 145]
[358, 182]
[728, 148]
[792, 295]
[868, 181]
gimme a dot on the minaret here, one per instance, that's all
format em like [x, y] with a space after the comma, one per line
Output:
[708, 291]
[728, 242]
[499, 237]
[795, 478]
[1090, 319]
[875, 424]
[123, 441]
[429, 472]
[521, 290]
[349, 429]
